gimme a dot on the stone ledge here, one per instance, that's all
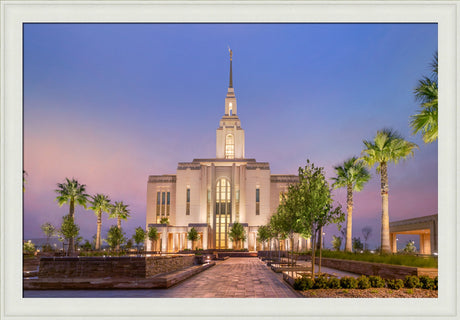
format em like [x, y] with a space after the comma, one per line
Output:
[161, 281]
[386, 271]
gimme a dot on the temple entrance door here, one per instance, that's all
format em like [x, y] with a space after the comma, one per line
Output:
[223, 213]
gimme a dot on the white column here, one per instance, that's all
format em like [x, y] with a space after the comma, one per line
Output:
[164, 238]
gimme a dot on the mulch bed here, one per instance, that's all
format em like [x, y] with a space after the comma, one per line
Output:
[369, 293]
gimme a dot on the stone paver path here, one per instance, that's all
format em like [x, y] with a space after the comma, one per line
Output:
[235, 278]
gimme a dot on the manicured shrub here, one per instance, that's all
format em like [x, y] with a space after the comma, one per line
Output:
[363, 282]
[436, 283]
[427, 283]
[320, 283]
[303, 283]
[348, 283]
[333, 283]
[411, 282]
[395, 284]
[377, 282]
[298, 284]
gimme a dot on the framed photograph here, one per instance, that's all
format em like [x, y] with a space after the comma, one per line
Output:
[180, 129]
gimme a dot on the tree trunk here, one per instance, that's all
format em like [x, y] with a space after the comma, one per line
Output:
[98, 232]
[313, 255]
[320, 250]
[318, 240]
[119, 228]
[385, 232]
[348, 244]
[72, 215]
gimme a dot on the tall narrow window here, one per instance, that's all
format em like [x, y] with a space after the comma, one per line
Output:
[168, 203]
[257, 201]
[237, 206]
[163, 199]
[158, 202]
[208, 208]
[223, 212]
[187, 208]
[229, 147]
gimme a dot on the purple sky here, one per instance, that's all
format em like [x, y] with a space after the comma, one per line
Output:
[111, 104]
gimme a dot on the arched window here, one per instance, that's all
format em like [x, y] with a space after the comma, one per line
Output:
[230, 108]
[229, 147]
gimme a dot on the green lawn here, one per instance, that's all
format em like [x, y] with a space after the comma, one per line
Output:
[398, 259]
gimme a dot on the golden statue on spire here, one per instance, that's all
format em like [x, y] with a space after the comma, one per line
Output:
[231, 53]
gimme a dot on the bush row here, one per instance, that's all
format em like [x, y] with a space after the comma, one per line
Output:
[364, 282]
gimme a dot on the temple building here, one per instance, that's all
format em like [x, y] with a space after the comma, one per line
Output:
[210, 194]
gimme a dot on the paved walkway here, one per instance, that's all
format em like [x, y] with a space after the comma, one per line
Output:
[231, 278]
[235, 278]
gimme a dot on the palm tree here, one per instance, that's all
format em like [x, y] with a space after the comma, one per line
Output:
[351, 175]
[387, 146]
[119, 211]
[100, 203]
[71, 192]
[426, 92]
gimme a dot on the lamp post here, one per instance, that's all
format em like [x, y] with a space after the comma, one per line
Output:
[397, 244]
[324, 243]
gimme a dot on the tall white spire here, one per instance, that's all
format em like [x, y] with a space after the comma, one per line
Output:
[229, 135]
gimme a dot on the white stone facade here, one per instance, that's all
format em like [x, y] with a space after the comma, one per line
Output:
[211, 194]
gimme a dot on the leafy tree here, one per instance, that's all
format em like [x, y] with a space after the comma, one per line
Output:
[100, 203]
[193, 236]
[357, 244]
[49, 230]
[139, 236]
[316, 204]
[237, 234]
[86, 246]
[164, 220]
[388, 146]
[336, 242]
[410, 247]
[28, 247]
[119, 211]
[78, 240]
[277, 231]
[115, 237]
[129, 244]
[352, 175]
[263, 235]
[426, 92]
[69, 230]
[288, 215]
[153, 236]
[366, 233]
[71, 192]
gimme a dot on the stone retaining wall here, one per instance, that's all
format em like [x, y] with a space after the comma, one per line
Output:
[102, 267]
[386, 271]
[163, 264]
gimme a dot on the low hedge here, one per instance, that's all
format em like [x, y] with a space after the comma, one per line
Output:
[364, 282]
[377, 282]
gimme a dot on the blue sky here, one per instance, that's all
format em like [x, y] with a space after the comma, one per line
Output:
[110, 104]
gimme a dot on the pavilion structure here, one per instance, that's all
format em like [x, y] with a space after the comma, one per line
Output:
[425, 227]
